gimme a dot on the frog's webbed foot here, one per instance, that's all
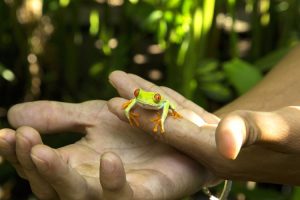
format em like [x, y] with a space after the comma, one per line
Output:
[157, 123]
[126, 104]
[175, 114]
[133, 119]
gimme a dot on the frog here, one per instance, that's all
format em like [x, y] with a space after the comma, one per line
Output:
[150, 101]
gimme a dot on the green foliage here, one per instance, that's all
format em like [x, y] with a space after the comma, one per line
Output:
[242, 75]
[296, 194]
[210, 51]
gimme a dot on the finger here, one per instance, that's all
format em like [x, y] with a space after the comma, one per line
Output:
[8, 149]
[198, 142]
[127, 83]
[51, 116]
[63, 178]
[123, 84]
[276, 130]
[113, 178]
[26, 138]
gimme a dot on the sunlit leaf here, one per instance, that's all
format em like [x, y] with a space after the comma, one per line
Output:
[155, 16]
[64, 3]
[197, 24]
[241, 75]
[174, 37]
[134, 1]
[106, 49]
[6, 73]
[172, 3]
[94, 22]
[168, 16]
[187, 6]
[208, 14]
[178, 19]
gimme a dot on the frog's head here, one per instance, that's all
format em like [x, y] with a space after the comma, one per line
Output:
[148, 98]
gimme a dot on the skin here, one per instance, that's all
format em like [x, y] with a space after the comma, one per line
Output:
[265, 126]
[130, 164]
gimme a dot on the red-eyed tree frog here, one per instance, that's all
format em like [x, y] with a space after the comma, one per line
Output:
[152, 101]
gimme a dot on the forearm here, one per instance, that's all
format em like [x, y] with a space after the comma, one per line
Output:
[280, 87]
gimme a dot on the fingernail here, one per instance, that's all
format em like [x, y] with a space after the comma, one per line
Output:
[112, 83]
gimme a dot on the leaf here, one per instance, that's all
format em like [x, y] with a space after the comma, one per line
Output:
[296, 193]
[162, 31]
[207, 66]
[271, 59]
[6, 73]
[96, 69]
[172, 3]
[241, 75]
[216, 91]
[182, 51]
[216, 76]
[197, 24]
[155, 16]
[208, 13]
[94, 22]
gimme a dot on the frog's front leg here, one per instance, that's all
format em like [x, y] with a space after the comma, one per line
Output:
[131, 116]
[175, 114]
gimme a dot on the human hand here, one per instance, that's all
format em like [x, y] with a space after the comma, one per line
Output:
[132, 164]
[272, 138]
[256, 162]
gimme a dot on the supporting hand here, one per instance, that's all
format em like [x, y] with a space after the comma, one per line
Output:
[130, 163]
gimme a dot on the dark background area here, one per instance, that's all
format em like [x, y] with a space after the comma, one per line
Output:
[211, 51]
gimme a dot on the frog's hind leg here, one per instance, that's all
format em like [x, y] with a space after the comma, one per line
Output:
[157, 123]
[175, 114]
[133, 119]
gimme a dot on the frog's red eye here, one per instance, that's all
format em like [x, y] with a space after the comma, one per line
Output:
[136, 92]
[157, 98]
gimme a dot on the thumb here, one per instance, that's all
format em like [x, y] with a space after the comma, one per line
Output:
[275, 130]
[113, 178]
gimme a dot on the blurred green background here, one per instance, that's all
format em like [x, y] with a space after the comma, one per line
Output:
[211, 51]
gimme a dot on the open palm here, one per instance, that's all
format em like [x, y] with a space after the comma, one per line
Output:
[132, 164]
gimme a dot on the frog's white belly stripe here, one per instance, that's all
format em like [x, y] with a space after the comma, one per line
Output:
[149, 107]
